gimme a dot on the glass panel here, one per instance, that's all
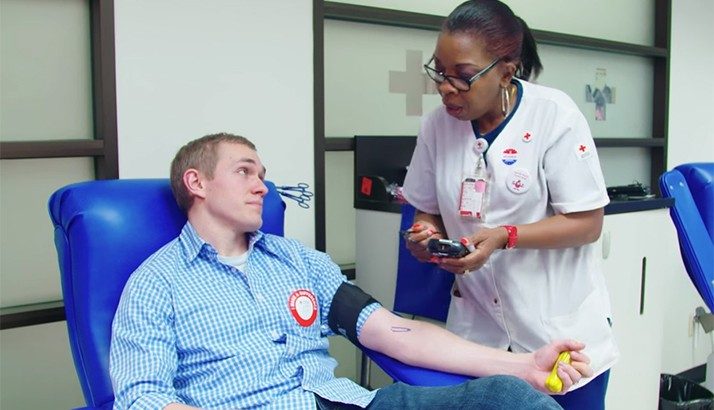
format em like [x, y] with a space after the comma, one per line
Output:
[361, 82]
[358, 79]
[607, 19]
[28, 260]
[624, 166]
[339, 208]
[45, 70]
[627, 112]
[37, 370]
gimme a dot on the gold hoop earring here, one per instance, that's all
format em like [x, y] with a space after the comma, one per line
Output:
[505, 101]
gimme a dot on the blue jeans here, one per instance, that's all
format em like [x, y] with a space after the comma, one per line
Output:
[487, 393]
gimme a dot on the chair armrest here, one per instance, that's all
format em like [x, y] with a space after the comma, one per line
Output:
[412, 375]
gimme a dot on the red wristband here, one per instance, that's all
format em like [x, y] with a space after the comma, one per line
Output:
[512, 236]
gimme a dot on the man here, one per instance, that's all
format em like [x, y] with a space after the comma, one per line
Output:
[225, 316]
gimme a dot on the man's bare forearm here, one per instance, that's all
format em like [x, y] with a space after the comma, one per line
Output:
[423, 344]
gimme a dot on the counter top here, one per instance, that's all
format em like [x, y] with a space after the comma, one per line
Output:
[614, 207]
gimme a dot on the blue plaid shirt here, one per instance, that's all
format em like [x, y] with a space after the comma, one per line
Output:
[192, 330]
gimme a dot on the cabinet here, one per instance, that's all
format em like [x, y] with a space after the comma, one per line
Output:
[636, 252]
[651, 317]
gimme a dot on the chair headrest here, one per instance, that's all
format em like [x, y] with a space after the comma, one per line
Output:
[700, 179]
[691, 187]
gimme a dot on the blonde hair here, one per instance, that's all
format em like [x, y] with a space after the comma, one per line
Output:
[200, 154]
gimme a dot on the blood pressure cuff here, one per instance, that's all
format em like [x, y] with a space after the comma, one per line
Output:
[347, 304]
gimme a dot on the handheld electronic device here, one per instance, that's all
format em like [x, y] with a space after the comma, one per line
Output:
[446, 248]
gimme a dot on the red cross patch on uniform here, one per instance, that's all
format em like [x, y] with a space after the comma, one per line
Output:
[583, 151]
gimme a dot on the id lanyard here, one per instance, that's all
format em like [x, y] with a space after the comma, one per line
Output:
[473, 186]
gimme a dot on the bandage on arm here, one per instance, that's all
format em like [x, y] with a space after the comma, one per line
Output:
[346, 306]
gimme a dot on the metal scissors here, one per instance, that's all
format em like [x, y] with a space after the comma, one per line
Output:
[298, 193]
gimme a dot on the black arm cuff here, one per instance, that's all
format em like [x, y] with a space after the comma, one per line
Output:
[347, 304]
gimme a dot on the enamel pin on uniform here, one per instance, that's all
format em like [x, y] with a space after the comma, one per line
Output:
[473, 187]
[480, 146]
[303, 307]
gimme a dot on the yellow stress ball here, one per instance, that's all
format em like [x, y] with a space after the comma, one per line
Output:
[553, 382]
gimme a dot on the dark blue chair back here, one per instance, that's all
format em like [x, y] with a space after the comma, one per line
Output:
[692, 187]
[423, 289]
[103, 231]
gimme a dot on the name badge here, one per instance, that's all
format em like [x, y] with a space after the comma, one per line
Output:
[473, 190]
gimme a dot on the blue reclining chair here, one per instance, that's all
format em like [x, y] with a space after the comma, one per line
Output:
[692, 187]
[103, 231]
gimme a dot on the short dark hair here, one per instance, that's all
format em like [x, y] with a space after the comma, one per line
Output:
[200, 154]
[505, 35]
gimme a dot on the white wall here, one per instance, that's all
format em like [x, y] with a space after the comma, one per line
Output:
[188, 68]
[691, 98]
[691, 103]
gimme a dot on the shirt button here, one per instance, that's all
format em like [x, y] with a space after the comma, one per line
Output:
[495, 301]
[274, 334]
[259, 297]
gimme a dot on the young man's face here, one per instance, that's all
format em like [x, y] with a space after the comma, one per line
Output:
[235, 194]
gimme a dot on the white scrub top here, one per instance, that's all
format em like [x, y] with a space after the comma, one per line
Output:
[543, 162]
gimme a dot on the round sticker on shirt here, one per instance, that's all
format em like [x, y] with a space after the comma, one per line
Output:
[509, 156]
[481, 145]
[303, 307]
[527, 137]
[519, 181]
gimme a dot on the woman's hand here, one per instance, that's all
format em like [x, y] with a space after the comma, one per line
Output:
[543, 359]
[418, 236]
[481, 244]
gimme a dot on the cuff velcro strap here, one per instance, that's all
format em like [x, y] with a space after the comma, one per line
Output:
[347, 304]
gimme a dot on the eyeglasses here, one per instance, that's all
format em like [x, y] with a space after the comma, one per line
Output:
[459, 83]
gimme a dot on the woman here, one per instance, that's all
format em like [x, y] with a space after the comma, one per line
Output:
[511, 168]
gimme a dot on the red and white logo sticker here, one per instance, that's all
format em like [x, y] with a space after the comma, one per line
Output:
[527, 137]
[582, 151]
[303, 307]
[518, 181]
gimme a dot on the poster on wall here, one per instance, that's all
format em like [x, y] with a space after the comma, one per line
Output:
[600, 93]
